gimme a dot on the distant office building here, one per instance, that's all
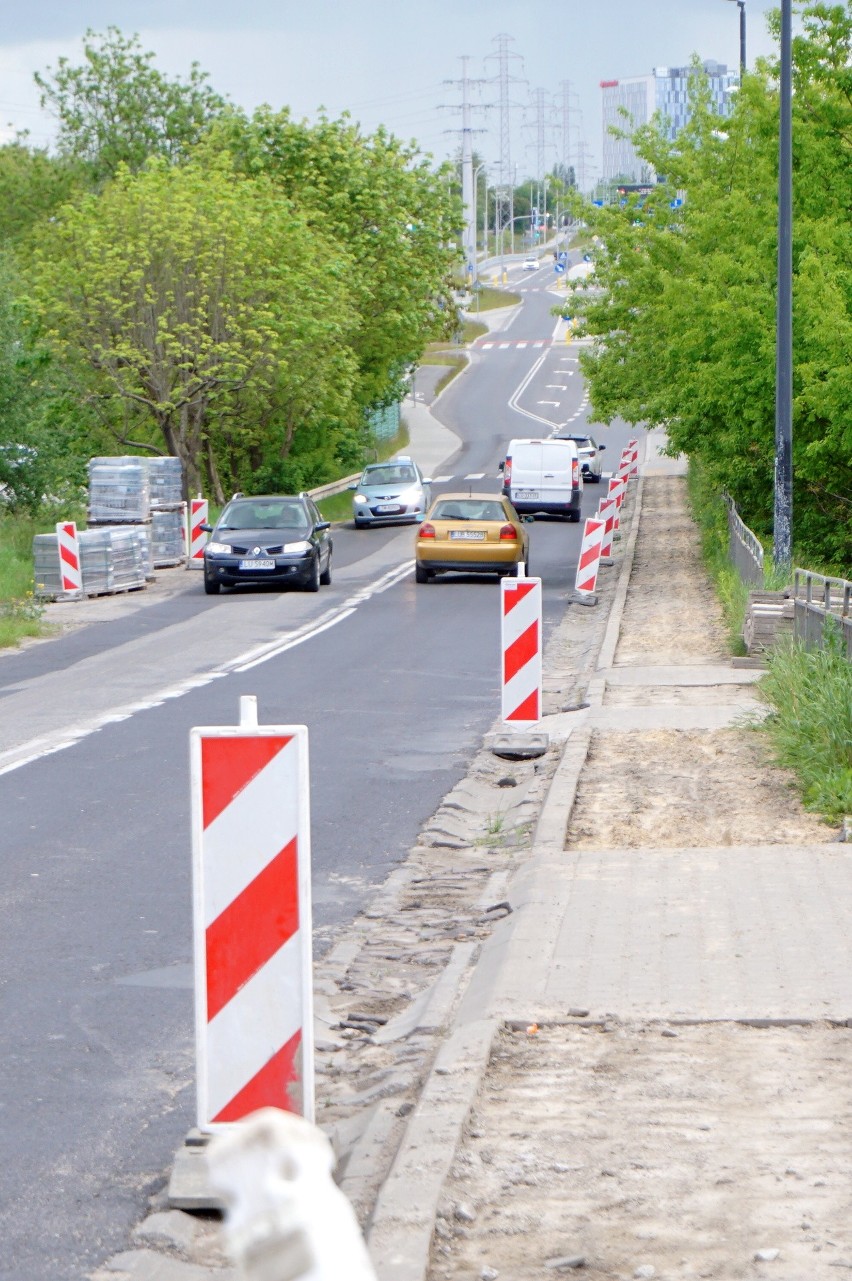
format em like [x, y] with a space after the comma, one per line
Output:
[635, 96]
[667, 92]
[672, 92]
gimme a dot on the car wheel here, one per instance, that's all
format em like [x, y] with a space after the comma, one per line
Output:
[575, 517]
[594, 477]
[361, 524]
[211, 586]
[421, 575]
[313, 582]
[325, 576]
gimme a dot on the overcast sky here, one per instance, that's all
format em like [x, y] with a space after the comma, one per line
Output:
[388, 61]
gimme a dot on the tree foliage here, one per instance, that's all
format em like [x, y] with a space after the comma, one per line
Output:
[117, 108]
[683, 299]
[204, 318]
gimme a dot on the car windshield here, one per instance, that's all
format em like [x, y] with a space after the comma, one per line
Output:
[390, 475]
[265, 514]
[469, 509]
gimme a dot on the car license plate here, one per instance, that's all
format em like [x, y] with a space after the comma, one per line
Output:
[468, 535]
[388, 507]
[257, 564]
[527, 493]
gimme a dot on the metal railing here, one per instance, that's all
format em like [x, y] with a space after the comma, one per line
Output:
[744, 547]
[823, 609]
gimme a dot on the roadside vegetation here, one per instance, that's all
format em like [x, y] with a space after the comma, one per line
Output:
[683, 291]
[20, 613]
[810, 725]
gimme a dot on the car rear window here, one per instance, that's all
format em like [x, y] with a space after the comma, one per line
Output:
[469, 509]
[389, 476]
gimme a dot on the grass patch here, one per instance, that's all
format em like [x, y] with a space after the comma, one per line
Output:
[472, 329]
[810, 725]
[490, 298]
[20, 613]
[711, 516]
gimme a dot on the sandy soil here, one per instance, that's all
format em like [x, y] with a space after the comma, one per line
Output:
[682, 1151]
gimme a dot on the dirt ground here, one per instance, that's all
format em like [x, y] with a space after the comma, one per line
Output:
[639, 1151]
[684, 1150]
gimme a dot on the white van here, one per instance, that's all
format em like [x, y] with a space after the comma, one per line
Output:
[543, 476]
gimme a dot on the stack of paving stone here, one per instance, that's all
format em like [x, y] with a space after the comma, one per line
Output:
[168, 511]
[118, 491]
[112, 559]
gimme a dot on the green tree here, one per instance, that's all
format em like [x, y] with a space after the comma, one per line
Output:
[200, 312]
[683, 298]
[33, 184]
[116, 108]
[394, 213]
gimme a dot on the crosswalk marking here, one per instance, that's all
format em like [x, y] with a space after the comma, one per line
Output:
[441, 480]
[504, 345]
[486, 345]
[475, 475]
[521, 346]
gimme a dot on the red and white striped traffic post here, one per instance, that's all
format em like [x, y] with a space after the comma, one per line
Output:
[70, 565]
[520, 637]
[607, 512]
[590, 558]
[252, 917]
[633, 446]
[196, 536]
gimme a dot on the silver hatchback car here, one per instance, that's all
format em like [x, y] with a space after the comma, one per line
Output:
[396, 492]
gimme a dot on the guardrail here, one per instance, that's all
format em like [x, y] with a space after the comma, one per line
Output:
[336, 487]
[745, 549]
[823, 608]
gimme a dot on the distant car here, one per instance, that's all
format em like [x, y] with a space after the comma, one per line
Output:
[531, 264]
[471, 534]
[272, 538]
[589, 452]
[396, 492]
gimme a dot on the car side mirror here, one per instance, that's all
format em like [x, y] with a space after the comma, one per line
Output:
[529, 520]
[427, 480]
[208, 529]
[322, 524]
[352, 487]
[601, 448]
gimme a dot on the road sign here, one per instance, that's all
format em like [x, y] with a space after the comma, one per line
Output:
[587, 257]
[70, 565]
[559, 268]
[252, 919]
[197, 537]
[563, 255]
[590, 556]
[521, 649]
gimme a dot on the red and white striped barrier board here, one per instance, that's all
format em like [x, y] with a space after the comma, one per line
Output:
[608, 513]
[633, 446]
[625, 464]
[520, 636]
[70, 568]
[590, 556]
[197, 539]
[252, 919]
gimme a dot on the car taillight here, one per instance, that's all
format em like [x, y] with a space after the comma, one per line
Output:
[575, 472]
[427, 531]
[509, 532]
[507, 472]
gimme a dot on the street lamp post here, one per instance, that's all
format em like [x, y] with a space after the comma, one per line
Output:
[741, 4]
[782, 541]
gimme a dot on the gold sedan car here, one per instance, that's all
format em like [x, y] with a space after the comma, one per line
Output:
[471, 534]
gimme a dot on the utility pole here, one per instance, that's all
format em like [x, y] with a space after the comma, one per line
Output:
[465, 84]
[568, 100]
[504, 207]
[782, 543]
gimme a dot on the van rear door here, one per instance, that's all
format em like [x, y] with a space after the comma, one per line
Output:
[559, 475]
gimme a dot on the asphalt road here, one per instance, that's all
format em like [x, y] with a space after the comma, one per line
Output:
[397, 684]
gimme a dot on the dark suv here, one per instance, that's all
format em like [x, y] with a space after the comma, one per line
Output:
[272, 538]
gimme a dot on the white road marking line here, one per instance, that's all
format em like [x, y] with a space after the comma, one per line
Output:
[440, 480]
[548, 402]
[521, 346]
[504, 345]
[556, 386]
[475, 475]
[538, 344]
[38, 748]
[486, 345]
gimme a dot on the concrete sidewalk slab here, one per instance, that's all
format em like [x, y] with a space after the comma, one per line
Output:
[686, 717]
[698, 674]
[708, 933]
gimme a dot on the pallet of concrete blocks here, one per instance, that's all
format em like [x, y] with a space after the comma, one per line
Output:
[112, 559]
[168, 536]
[165, 482]
[118, 491]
